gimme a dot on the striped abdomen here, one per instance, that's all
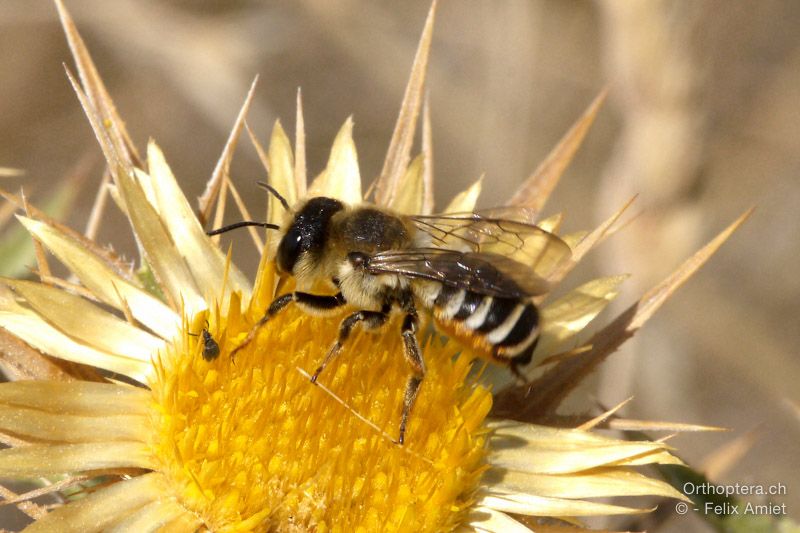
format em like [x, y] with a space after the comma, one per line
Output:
[503, 329]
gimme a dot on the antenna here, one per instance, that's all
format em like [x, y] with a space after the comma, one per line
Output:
[246, 223]
[275, 193]
[237, 225]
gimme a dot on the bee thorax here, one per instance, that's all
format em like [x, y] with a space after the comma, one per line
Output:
[364, 290]
[371, 230]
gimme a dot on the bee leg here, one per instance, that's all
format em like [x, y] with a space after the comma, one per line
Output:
[314, 302]
[370, 320]
[517, 373]
[413, 355]
[522, 359]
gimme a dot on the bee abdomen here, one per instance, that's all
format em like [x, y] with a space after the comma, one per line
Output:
[502, 328]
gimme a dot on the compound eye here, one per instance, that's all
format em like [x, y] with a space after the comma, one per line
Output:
[289, 250]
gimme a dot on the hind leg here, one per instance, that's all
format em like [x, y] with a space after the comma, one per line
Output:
[521, 359]
[413, 356]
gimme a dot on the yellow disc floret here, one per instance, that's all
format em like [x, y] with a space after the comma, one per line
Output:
[252, 444]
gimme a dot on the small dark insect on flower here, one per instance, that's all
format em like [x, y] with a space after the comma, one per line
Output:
[210, 346]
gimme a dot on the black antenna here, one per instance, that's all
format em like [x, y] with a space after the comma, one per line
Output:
[275, 193]
[243, 224]
[246, 223]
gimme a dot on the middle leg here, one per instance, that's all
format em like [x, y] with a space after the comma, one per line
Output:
[368, 319]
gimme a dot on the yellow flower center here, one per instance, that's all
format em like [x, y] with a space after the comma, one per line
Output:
[252, 444]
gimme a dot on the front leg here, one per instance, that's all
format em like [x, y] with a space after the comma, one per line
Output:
[312, 302]
[369, 319]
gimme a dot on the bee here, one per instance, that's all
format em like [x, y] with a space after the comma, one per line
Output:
[476, 274]
[210, 346]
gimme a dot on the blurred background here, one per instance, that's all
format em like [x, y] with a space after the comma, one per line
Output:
[702, 122]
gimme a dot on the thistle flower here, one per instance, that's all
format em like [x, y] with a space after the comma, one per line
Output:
[181, 443]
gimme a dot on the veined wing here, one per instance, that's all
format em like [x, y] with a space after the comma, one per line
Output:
[538, 249]
[481, 272]
[514, 213]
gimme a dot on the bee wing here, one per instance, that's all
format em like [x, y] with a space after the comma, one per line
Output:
[514, 213]
[515, 238]
[481, 272]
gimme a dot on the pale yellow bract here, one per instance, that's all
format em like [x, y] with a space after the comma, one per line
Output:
[251, 444]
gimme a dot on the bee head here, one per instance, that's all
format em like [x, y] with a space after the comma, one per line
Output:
[307, 233]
